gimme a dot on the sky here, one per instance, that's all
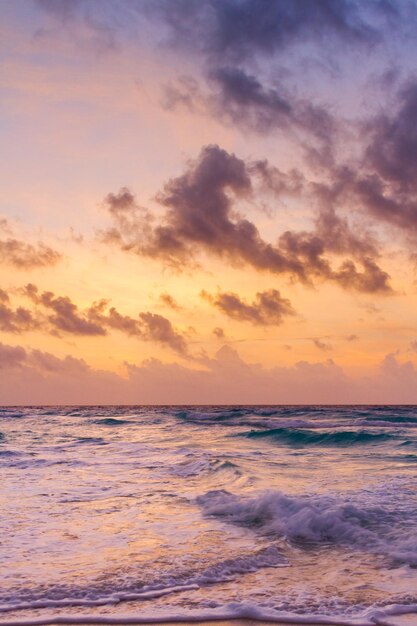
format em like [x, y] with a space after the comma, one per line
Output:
[208, 201]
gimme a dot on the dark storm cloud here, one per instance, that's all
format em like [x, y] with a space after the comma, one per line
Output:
[201, 215]
[268, 309]
[99, 318]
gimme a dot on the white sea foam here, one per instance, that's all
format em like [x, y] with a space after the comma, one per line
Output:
[114, 598]
[315, 520]
[107, 514]
[374, 616]
[222, 571]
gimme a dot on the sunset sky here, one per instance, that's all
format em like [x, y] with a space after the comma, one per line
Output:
[208, 201]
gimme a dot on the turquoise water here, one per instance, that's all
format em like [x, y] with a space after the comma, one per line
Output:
[188, 512]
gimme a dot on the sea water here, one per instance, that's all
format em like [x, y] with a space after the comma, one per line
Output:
[162, 513]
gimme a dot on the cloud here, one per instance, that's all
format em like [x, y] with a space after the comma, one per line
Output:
[371, 280]
[322, 345]
[239, 30]
[63, 10]
[169, 301]
[11, 357]
[26, 256]
[147, 326]
[41, 378]
[201, 214]
[249, 57]
[388, 190]
[105, 318]
[268, 309]
[15, 320]
[340, 238]
[371, 308]
[90, 23]
[158, 328]
[36, 377]
[219, 332]
[199, 208]
[99, 318]
[49, 364]
[66, 316]
[392, 152]
[235, 96]
[243, 49]
[352, 338]
[380, 182]
[230, 29]
[333, 235]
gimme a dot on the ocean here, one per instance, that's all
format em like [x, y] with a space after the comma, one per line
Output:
[291, 513]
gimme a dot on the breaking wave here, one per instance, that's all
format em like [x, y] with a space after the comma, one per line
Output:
[306, 520]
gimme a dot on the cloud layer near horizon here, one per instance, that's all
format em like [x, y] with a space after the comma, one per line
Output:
[224, 379]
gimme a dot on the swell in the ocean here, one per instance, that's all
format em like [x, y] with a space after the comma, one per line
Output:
[304, 514]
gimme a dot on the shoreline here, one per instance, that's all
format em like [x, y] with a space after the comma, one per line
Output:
[103, 620]
[220, 621]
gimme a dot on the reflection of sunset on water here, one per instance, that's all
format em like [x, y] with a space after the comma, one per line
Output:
[193, 509]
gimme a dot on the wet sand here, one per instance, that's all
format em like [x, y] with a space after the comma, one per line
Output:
[101, 621]
[397, 620]
[400, 620]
